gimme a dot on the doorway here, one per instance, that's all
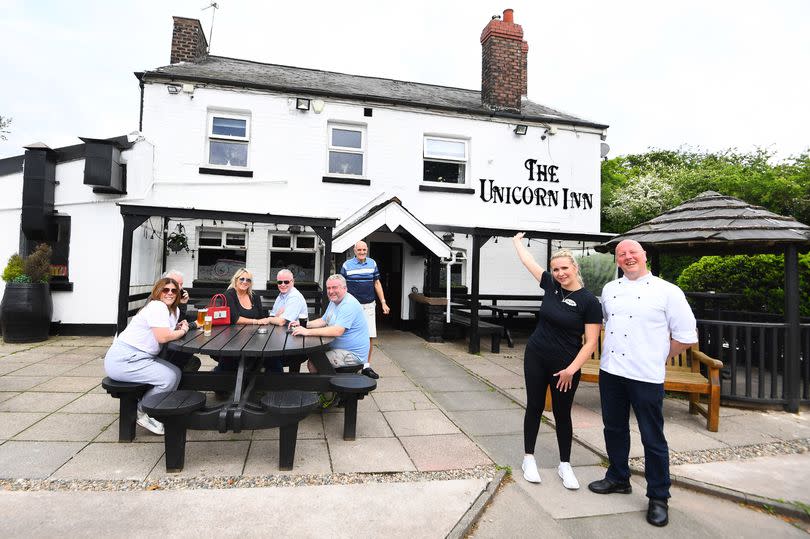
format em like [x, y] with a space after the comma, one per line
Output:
[388, 256]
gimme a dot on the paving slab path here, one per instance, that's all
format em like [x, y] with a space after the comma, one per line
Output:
[483, 395]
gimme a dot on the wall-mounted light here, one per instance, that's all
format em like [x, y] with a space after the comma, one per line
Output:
[318, 105]
[448, 237]
[188, 88]
[521, 129]
[302, 103]
[173, 88]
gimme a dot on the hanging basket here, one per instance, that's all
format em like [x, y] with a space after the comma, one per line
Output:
[177, 241]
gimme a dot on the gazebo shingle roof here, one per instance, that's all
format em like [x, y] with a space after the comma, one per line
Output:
[713, 220]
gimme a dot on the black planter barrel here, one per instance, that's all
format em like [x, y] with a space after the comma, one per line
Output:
[25, 313]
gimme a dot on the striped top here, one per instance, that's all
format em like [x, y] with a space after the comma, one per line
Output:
[360, 277]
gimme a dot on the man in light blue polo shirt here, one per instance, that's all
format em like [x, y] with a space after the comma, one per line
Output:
[290, 305]
[344, 319]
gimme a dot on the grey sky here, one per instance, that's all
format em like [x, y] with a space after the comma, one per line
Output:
[710, 74]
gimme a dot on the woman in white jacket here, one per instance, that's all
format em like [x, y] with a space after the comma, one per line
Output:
[133, 357]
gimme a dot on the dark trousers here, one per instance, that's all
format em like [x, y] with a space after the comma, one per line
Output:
[539, 373]
[618, 394]
[176, 358]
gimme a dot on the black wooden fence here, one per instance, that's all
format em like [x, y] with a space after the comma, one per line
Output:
[753, 354]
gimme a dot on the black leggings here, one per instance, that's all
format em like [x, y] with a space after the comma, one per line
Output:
[539, 375]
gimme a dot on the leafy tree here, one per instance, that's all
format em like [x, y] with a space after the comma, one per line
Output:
[641, 198]
[782, 188]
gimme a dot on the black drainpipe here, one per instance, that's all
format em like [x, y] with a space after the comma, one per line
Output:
[140, 119]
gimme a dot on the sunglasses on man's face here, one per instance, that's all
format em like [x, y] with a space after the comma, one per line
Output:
[169, 290]
[283, 282]
[245, 279]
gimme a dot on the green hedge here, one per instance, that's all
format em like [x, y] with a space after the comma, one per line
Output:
[759, 278]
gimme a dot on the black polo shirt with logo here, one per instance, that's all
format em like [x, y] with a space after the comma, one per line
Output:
[562, 319]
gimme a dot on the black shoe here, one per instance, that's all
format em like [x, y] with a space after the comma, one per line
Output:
[608, 486]
[658, 512]
[368, 371]
[192, 365]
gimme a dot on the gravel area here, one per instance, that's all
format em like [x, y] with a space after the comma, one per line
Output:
[788, 447]
[170, 483]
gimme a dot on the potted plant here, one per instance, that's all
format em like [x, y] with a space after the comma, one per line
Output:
[26, 309]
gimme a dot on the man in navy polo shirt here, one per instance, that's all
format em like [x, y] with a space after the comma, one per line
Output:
[363, 280]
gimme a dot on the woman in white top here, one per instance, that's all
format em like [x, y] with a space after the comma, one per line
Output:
[133, 355]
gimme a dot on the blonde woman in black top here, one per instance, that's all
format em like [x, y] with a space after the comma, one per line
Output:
[555, 352]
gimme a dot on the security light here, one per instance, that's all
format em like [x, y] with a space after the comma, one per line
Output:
[521, 129]
[302, 103]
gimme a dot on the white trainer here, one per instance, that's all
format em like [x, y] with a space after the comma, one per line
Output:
[152, 425]
[566, 473]
[529, 468]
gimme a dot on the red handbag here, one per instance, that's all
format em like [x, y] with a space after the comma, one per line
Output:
[220, 314]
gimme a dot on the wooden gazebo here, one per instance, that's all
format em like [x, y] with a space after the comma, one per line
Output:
[712, 224]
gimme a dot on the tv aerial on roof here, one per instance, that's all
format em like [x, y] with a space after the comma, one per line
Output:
[211, 32]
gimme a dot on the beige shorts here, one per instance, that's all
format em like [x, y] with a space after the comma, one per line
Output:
[342, 358]
[370, 310]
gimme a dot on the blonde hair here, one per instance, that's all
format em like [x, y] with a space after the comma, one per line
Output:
[565, 253]
[239, 273]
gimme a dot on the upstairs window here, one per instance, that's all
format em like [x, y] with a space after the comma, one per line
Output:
[228, 140]
[347, 148]
[445, 160]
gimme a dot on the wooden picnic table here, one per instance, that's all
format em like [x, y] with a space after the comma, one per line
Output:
[259, 400]
[505, 314]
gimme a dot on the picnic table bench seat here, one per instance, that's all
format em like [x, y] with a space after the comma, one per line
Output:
[351, 388]
[128, 394]
[295, 405]
[484, 328]
[173, 408]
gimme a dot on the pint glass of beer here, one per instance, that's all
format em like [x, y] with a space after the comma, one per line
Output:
[201, 314]
[207, 323]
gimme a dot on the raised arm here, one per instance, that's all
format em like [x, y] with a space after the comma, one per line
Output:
[526, 257]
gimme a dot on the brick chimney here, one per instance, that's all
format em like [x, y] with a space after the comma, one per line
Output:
[504, 57]
[188, 40]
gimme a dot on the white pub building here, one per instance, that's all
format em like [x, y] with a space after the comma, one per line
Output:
[240, 163]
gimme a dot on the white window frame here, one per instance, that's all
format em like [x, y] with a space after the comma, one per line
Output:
[210, 136]
[223, 244]
[343, 149]
[444, 159]
[294, 248]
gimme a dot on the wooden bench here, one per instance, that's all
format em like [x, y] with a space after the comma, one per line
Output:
[199, 296]
[484, 328]
[683, 376]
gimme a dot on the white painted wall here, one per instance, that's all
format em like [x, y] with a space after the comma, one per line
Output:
[96, 229]
[288, 157]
